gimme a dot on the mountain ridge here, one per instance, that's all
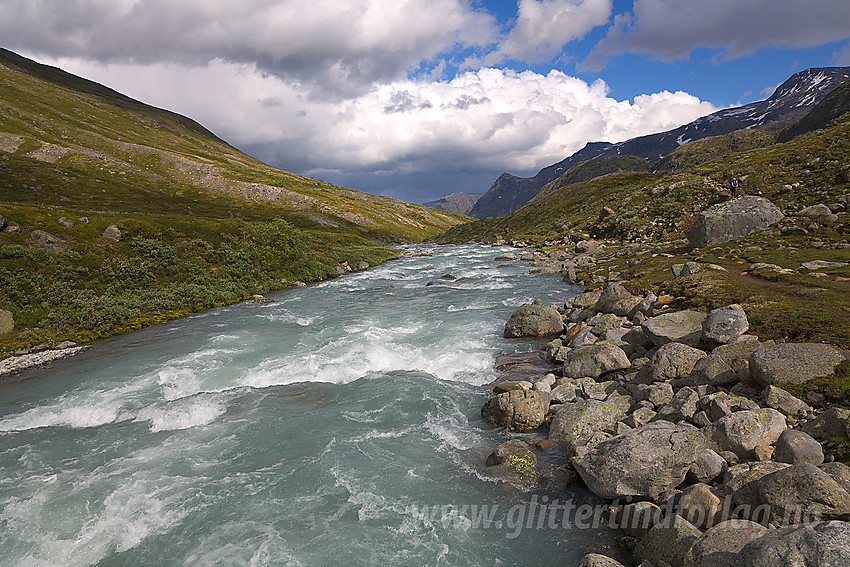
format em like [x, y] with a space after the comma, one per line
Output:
[789, 102]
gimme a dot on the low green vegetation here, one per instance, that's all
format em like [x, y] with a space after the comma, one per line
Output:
[202, 223]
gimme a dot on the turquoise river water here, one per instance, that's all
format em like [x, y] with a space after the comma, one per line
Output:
[339, 425]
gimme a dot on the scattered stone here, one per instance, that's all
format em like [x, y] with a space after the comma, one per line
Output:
[707, 467]
[47, 241]
[681, 327]
[511, 385]
[713, 370]
[516, 461]
[834, 422]
[112, 233]
[505, 256]
[534, 321]
[682, 406]
[575, 423]
[686, 269]
[724, 325]
[700, 505]
[732, 220]
[744, 431]
[823, 544]
[596, 560]
[796, 494]
[518, 410]
[638, 518]
[793, 363]
[7, 322]
[778, 399]
[644, 462]
[668, 541]
[613, 294]
[795, 447]
[815, 211]
[738, 476]
[586, 300]
[822, 264]
[719, 546]
[595, 360]
[65, 222]
[671, 361]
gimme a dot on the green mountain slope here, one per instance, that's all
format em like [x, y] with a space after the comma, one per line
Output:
[203, 223]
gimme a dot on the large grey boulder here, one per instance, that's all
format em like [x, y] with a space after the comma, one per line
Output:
[707, 467]
[701, 505]
[585, 300]
[799, 493]
[597, 560]
[795, 447]
[679, 326]
[672, 361]
[575, 423]
[643, 462]
[732, 220]
[7, 321]
[534, 321]
[683, 405]
[793, 363]
[823, 544]
[778, 399]
[517, 410]
[594, 360]
[743, 432]
[612, 294]
[737, 356]
[638, 518]
[668, 541]
[720, 544]
[834, 422]
[112, 233]
[740, 475]
[712, 369]
[47, 242]
[515, 461]
[724, 325]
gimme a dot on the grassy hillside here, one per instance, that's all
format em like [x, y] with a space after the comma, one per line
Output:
[203, 224]
[652, 211]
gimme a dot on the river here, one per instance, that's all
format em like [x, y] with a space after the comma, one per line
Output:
[338, 425]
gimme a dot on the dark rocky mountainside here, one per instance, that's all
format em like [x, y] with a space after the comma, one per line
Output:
[459, 203]
[790, 102]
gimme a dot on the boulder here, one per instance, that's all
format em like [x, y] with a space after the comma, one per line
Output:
[833, 422]
[815, 211]
[778, 399]
[682, 406]
[719, 545]
[47, 242]
[672, 361]
[3, 222]
[656, 394]
[644, 462]
[737, 355]
[626, 307]
[595, 360]
[738, 476]
[506, 256]
[724, 325]
[517, 410]
[838, 471]
[732, 220]
[700, 505]
[794, 447]
[534, 321]
[575, 423]
[707, 467]
[743, 432]
[596, 560]
[612, 294]
[638, 518]
[7, 321]
[793, 363]
[685, 269]
[798, 493]
[604, 322]
[515, 461]
[112, 233]
[712, 370]
[680, 326]
[823, 544]
[668, 541]
[586, 300]
[65, 222]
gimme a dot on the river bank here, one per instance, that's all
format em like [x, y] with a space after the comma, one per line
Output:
[704, 456]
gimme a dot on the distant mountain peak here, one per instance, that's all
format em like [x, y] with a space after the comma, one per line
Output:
[789, 102]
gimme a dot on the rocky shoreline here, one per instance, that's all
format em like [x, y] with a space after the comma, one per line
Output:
[34, 357]
[678, 419]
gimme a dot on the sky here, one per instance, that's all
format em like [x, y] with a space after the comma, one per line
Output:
[416, 99]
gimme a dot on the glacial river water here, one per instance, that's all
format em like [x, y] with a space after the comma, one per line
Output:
[339, 425]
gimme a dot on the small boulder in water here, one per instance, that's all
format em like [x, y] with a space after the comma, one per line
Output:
[534, 321]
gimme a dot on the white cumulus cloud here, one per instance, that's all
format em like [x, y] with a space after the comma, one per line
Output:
[673, 29]
[480, 120]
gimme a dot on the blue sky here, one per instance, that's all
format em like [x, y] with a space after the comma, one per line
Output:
[420, 98]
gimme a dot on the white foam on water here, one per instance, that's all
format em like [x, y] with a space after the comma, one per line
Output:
[183, 413]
